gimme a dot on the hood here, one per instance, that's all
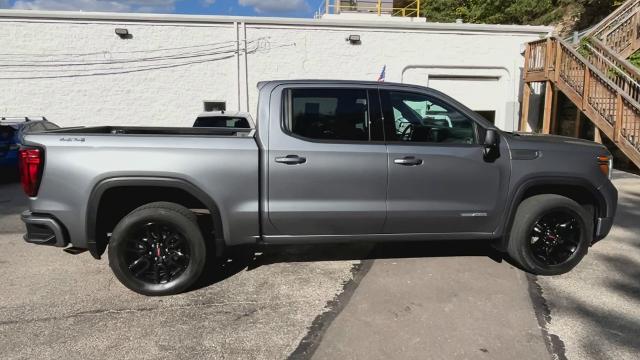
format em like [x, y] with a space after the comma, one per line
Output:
[526, 138]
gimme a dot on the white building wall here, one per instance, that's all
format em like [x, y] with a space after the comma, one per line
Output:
[289, 49]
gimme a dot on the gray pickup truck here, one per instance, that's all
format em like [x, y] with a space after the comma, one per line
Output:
[329, 161]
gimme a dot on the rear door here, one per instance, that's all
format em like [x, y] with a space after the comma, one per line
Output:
[327, 162]
[439, 180]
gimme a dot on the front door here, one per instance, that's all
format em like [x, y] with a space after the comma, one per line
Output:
[439, 181]
[327, 163]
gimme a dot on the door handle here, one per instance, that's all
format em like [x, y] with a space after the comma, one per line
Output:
[291, 160]
[408, 161]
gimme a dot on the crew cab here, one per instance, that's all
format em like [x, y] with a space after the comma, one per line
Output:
[328, 161]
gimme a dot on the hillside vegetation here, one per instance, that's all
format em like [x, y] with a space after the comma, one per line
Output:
[566, 15]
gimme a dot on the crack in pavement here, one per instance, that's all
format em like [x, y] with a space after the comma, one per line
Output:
[98, 312]
[309, 343]
[554, 344]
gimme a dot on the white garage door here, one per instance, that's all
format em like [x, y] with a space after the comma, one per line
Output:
[485, 95]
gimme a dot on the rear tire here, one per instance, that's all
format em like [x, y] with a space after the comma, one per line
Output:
[550, 234]
[157, 249]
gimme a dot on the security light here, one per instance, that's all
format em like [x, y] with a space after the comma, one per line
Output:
[354, 39]
[123, 33]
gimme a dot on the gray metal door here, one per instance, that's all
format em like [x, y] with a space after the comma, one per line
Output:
[327, 174]
[439, 181]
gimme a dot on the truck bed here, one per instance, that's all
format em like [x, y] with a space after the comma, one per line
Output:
[221, 162]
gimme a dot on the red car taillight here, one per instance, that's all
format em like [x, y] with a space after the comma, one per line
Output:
[31, 162]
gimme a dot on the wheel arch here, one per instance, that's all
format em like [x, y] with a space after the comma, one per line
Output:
[157, 189]
[577, 189]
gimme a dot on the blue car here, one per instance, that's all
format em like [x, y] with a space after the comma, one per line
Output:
[11, 134]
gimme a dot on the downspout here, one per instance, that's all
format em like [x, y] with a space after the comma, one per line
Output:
[235, 24]
[246, 65]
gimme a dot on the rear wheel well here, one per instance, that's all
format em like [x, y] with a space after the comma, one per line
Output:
[116, 202]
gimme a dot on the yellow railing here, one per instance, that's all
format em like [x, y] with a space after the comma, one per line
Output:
[367, 6]
[410, 10]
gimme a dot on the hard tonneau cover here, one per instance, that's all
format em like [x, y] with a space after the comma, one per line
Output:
[141, 130]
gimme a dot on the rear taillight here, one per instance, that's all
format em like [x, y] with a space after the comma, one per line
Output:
[31, 162]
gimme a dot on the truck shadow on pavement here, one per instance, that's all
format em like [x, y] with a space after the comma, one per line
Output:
[612, 320]
[611, 324]
[248, 258]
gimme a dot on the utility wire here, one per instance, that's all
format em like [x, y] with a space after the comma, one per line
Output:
[53, 63]
[98, 72]
[118, 52]
[90, 68]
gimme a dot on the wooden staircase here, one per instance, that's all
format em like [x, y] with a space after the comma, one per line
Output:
[620, 31]
[597, 79]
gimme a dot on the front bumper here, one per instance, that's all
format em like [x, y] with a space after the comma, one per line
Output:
[604, 223]
[603, 226]
[44, 230]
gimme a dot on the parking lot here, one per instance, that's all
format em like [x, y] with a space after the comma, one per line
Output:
[423, 301]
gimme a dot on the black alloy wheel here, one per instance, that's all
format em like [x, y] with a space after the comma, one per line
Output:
[157, 253]
[555, 237]
[158, 249]
[550, 234]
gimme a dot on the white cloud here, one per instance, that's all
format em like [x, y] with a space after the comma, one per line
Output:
[97, 5]
[261, 6]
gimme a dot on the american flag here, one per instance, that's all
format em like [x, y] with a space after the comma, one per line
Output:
[382, 74]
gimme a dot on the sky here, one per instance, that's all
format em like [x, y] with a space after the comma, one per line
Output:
[288, 8]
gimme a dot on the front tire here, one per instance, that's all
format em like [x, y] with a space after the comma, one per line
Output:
[550, 234]
[157, 249]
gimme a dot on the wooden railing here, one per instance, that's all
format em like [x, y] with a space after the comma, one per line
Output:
[618, 70]
[607, 97]
[614, 19]
[620, 31]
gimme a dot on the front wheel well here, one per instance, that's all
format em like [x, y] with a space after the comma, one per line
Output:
[587, 198]
[116, 202]
[583, 196]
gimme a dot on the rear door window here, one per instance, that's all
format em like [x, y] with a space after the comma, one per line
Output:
[328, 114]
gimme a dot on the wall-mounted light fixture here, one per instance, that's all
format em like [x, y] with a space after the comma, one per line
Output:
[354, 39]
[123, 33]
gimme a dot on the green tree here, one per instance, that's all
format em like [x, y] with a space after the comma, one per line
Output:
[533, 12]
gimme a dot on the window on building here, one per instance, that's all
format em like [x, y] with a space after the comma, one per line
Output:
[328, 114]
[215, 106]
[420, 118]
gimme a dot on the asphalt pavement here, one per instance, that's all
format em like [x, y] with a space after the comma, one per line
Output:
[451, 300]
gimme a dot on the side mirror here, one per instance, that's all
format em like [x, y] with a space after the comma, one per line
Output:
[490, 144]
[490, 138]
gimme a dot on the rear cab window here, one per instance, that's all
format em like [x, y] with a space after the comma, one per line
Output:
[233, 122]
